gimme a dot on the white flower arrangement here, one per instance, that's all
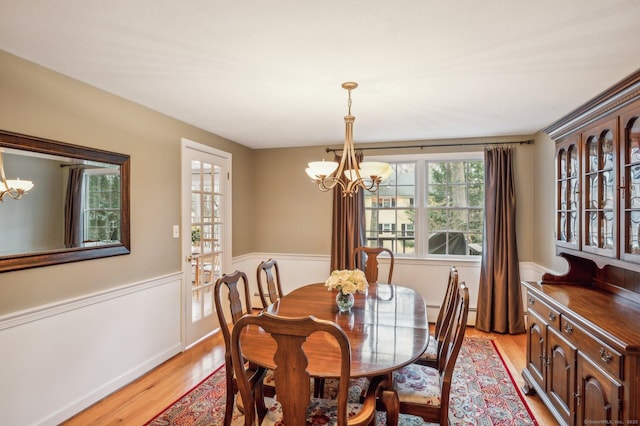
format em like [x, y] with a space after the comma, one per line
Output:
[347, 281]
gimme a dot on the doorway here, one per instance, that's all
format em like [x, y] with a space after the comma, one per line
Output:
[206, 231]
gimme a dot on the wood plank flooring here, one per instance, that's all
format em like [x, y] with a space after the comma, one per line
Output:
[138, 402]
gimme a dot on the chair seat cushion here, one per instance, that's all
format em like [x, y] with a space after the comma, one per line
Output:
[418, 384]
[324, 411]
[357, 387]
[431, 352]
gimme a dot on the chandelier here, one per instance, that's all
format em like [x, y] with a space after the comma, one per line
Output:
[14, 188]
[366, 174]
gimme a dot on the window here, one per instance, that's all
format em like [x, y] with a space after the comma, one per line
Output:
[430, 206]
[387, 202]
[101, 195]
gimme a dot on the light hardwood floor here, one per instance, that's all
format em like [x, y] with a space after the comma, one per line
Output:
[138, 402]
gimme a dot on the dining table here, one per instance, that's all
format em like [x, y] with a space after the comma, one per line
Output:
[387, 329]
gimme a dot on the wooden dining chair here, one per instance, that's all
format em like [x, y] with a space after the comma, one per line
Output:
[368, 256]
[425, 391]
[431, 356]
[229, 285]
[269, 282]
[294, 405]
[270, 290]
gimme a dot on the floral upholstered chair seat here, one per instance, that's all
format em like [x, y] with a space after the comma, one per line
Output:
[357, 387]
[418, 384]
[323, 412]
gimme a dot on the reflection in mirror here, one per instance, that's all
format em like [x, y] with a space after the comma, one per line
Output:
[77, 209]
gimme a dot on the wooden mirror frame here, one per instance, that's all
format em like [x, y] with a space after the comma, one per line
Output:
[65, 255]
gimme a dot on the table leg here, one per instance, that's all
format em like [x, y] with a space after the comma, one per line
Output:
[390, 400]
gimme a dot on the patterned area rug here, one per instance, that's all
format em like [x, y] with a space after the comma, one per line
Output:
[483, 394]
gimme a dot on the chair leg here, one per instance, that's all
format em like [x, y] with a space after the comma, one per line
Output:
[230, 400]
[261, 408]
[318, 387]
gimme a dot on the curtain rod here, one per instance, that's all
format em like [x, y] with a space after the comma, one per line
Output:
[527, 142]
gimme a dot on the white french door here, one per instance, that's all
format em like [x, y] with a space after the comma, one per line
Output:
[206, 231]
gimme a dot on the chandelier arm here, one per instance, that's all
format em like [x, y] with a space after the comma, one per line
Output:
[2, 176]
[333, 182]
[6, 190]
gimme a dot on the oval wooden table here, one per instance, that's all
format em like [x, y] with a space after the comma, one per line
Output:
[387, 329]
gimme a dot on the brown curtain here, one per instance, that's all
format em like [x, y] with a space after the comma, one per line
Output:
[347, 231]
[73, 208]
[499, 293]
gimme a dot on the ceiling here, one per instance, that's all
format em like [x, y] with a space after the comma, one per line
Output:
[269, 73]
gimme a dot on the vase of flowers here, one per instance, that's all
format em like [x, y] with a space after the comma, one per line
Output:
[347, 282]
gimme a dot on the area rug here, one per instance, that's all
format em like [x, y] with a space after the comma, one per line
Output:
[483, 394]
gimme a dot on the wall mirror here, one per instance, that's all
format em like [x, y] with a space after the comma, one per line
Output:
[77, 209]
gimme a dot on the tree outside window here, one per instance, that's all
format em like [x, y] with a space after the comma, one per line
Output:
[444, 217]
[101, 205]
[455, 207]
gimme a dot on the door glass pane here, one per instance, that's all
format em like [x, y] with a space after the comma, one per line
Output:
[207, 178]
[592, 159]
[606, 146]
[573, 194]
[593, 192]
[592, 229]
[207, 207]
[573, 227]
[607, 230]
[607, 190]
[634, 187]
[562, 164]
[633, 230]
[562, 226]
[195, 175]
[573, 161]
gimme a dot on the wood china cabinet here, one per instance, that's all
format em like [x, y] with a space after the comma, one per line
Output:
[583, 342]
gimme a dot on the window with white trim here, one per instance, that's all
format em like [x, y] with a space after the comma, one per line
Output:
[101, 199]
[431, 206]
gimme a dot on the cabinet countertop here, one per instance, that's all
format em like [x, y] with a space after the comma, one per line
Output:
[614, 317]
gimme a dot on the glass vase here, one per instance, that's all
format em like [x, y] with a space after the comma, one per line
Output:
[344, 301]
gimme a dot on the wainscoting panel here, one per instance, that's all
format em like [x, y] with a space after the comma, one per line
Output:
[59, 359]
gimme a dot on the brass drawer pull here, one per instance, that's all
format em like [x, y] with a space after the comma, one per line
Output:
[552, 317]
[605, 356]
[568, 328]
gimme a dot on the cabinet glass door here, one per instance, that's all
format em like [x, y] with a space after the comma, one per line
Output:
[568, 194]
[599, 197]
[630, 178]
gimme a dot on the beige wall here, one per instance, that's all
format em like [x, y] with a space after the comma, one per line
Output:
[276, 209]
[293, 216]
[40, 102]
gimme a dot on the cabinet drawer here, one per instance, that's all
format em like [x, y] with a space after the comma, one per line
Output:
[546, 312]
[600, 353]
